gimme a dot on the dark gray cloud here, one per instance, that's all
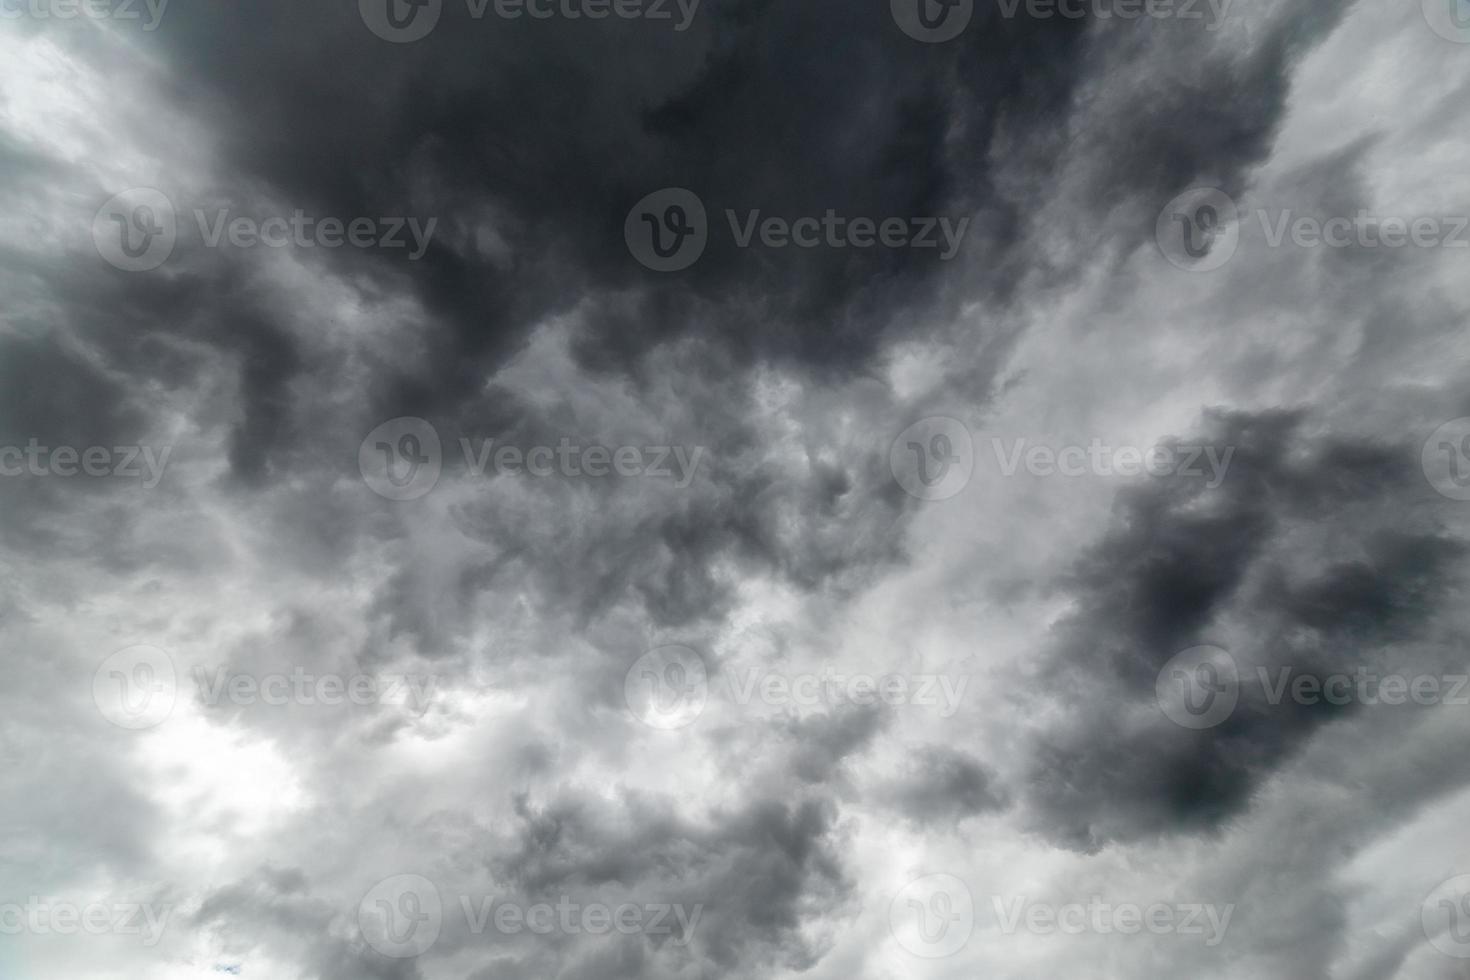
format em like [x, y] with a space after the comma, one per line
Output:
[1184, 565]
[526, 774]
[945, 785]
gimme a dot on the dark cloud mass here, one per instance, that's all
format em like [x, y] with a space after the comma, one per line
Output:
[1031, 487]
[1262, 562]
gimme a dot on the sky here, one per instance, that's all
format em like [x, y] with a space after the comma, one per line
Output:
[691, 489]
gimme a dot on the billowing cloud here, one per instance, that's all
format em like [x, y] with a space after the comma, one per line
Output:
[874, 490]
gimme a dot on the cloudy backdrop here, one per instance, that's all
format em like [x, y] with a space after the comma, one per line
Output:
[602, 489]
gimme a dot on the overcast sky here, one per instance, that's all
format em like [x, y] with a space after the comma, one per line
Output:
[680, 490]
